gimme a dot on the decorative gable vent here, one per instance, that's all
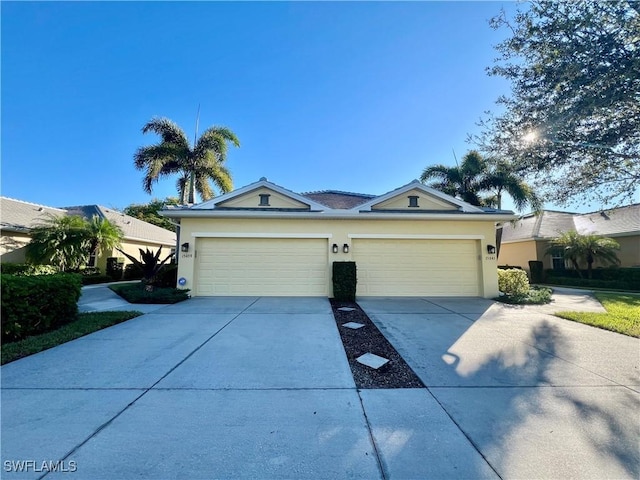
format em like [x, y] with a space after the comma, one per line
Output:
[413, 201]
[264, 200]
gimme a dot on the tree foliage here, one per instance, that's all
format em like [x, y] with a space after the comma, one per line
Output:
[482, 182]
[67, 241]
[148, 212]
[572, 121]
[196, 166]
[575, 248]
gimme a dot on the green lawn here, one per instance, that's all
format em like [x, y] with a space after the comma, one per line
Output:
[85, 324]
[623, 314]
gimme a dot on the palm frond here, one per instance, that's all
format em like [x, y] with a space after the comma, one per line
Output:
[169, 131]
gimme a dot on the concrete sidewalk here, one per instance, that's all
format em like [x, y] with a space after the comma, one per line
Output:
[100, 298]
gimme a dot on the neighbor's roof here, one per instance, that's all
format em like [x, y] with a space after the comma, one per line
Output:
[338, 199]
[19, 216]
[550, 224]
[133, 228]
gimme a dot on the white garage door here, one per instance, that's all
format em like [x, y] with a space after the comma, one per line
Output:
[417, 267]
[261, 266]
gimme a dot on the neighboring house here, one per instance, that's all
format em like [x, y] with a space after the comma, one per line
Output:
[529, 237]
[18, 217]
[263, 239]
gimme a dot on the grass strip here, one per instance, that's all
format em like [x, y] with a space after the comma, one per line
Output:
[137, 293]
[85, 323]
[623, 314]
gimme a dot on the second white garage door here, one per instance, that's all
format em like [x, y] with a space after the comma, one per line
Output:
[390, 267]
[261, 266]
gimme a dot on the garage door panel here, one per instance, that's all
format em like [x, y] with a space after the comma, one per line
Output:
[259, 266]
[417, 267]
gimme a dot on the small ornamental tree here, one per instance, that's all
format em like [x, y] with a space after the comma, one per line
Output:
[588, 248]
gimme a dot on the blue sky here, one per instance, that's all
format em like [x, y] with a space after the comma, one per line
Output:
[348, 96]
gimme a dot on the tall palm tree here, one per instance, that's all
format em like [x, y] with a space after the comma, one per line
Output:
[575, 247]
[196, 165]
[476, 175]
[462, 181]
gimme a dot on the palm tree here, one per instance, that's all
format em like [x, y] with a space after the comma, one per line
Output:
[462, 181]
[68, 241]
[500, 178]
[102, 235]
[196, 165]
[59, 241]
[575, 247]
[476, 175]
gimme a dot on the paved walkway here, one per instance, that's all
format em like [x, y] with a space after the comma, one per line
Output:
[243, 387]
[100, 298]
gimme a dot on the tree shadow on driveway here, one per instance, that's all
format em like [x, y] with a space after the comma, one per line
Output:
[522, 393]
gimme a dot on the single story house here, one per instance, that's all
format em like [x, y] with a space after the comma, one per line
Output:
[529, 237]
[263, 239]
[18, 217]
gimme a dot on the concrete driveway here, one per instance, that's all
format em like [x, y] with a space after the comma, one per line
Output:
[537, 396]
[260, 388]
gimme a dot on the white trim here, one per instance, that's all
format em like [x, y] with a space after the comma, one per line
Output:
[339, 214]
[259, 235]
[394, 236]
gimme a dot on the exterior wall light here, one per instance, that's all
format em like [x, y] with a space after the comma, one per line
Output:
[184, 247]
[345, 248]
[491, 249]
[334, 249]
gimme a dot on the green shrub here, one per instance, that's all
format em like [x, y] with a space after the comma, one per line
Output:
[115, 268]
[586, 283]
[167, 276]
[25, 269]
[536, 268]
[535, 296]
[513, 282]
[132, 272]
[138, 293]
[344, 281]
[36, 304]
[625, 274]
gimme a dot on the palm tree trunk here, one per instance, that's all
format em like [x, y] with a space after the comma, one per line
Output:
[577, 267]
[589, 265]
[192, 187]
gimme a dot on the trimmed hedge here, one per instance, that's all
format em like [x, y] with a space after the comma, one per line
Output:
[585, 282]
[615, 278]
[513, 282]
[37, 304]
[25, 269]
[344, 281]
[93, 279]
[536, 268]
[132, 272]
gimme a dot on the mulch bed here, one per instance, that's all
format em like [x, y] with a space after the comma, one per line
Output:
[368, 339]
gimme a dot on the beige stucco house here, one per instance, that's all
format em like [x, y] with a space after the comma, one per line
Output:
[18, 217]
[529, 237]
[263, 239]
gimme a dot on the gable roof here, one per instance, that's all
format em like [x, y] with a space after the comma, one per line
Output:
[549, 224]
[262, 183]
[20, 216]
[333, 204]
[417, 185]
